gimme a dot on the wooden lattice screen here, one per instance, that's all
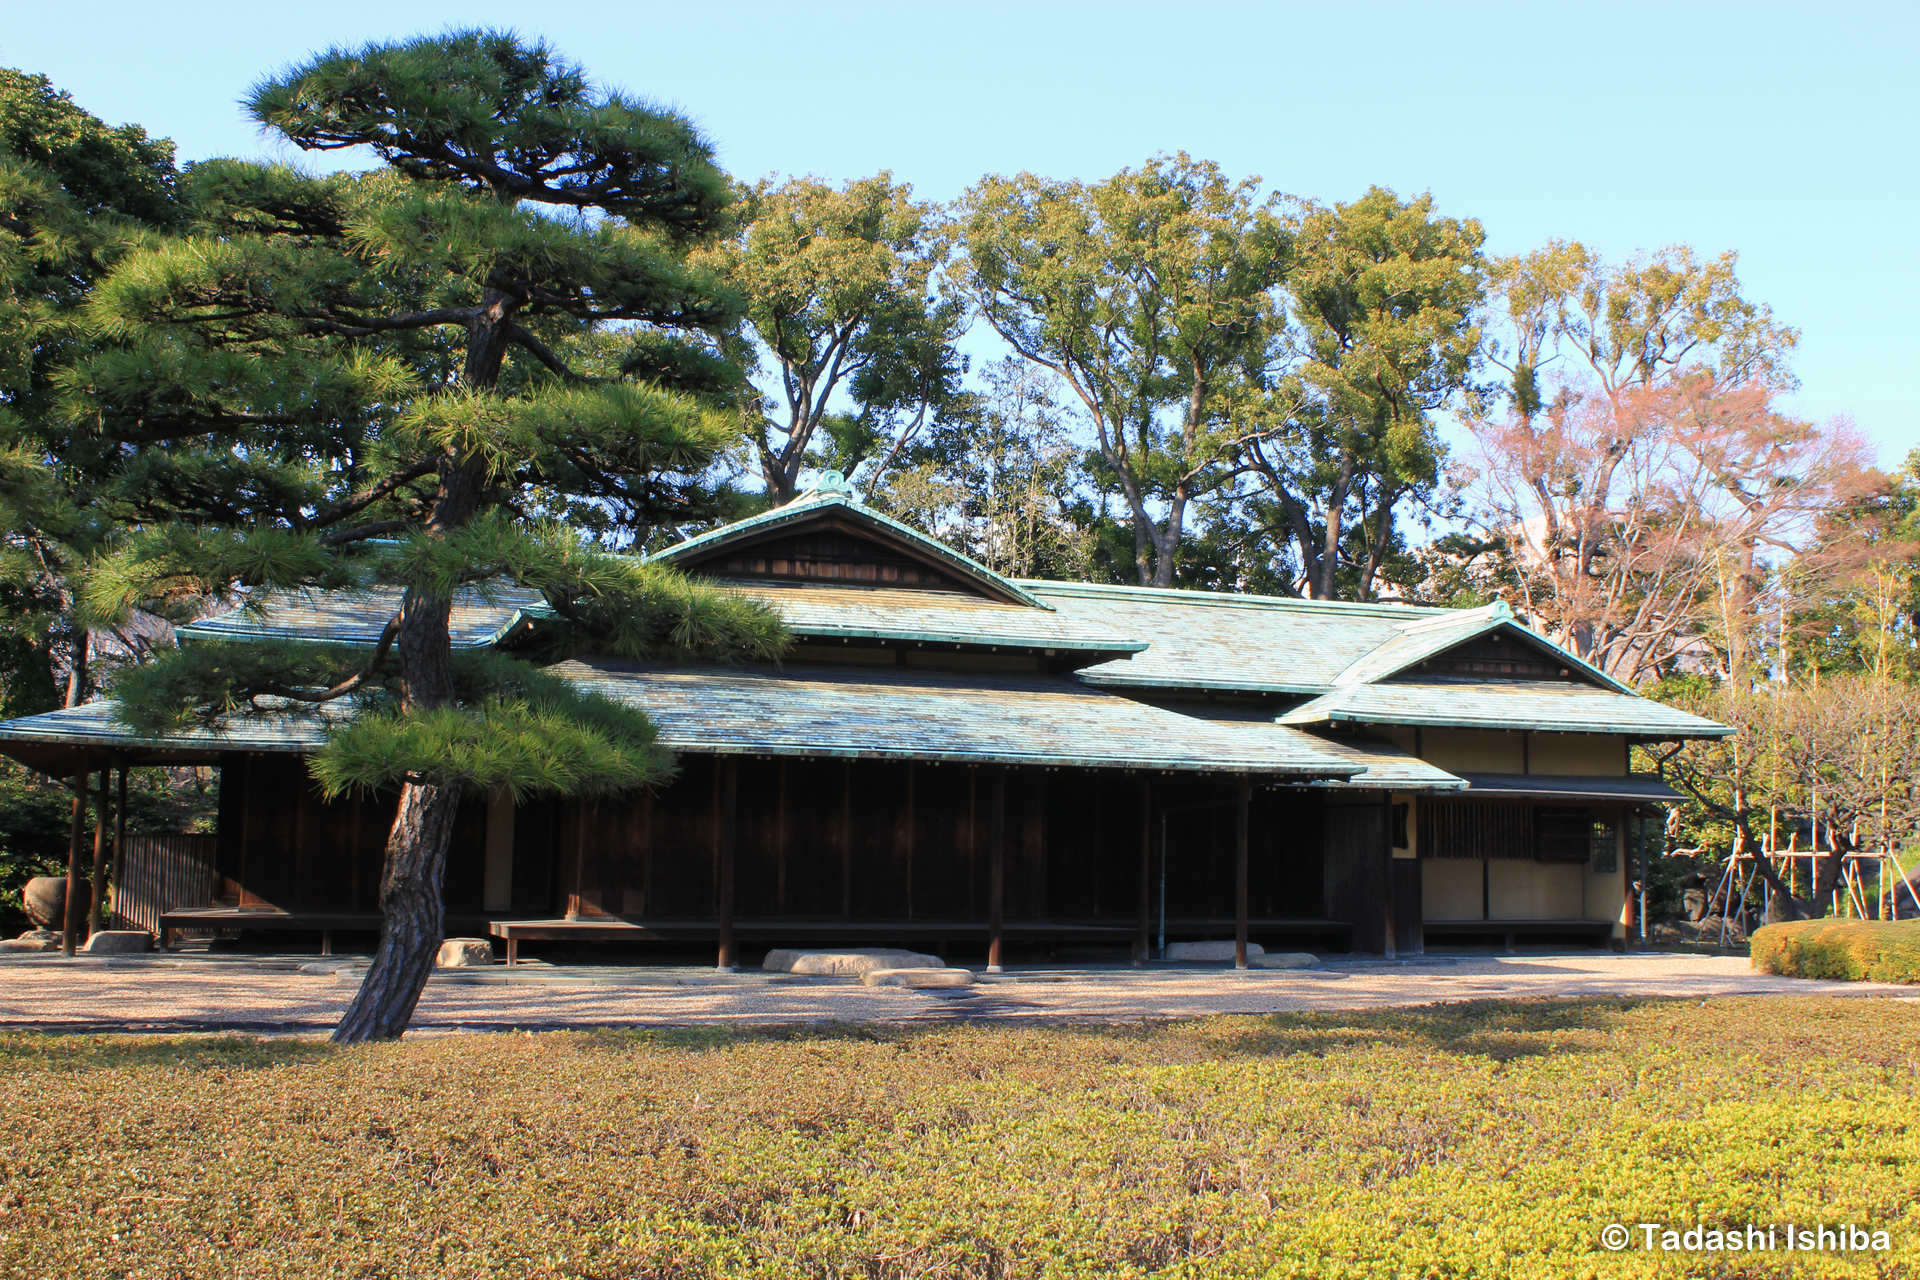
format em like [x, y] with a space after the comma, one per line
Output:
[163, 873]
[1459, 829]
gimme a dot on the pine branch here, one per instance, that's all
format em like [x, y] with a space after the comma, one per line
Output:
[543, 353]
[378, 529]
[367, 497]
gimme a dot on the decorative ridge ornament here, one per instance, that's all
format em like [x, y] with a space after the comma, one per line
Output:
[829, 482]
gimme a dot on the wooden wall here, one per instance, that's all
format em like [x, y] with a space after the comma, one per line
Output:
[826, 839]
[1359, 871]
[281, 844]
[816, 840]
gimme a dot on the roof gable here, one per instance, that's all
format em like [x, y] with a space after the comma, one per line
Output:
[1431, 640]
[828, 536]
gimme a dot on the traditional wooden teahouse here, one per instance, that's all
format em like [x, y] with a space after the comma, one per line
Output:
[949, 757]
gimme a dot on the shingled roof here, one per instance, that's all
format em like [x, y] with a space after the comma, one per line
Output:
[1341, 663]
[855, 713]
[1462, 703]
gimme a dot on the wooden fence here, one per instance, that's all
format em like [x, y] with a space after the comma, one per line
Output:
[163, 873]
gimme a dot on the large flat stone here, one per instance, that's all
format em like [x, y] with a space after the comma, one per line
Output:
[917, 978]
[851, 962]
[28, 944]
[464, 953]
[116, 942]
[1210, 951]
[1283, 960]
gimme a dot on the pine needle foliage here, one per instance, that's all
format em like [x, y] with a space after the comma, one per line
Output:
[76, 196]
[486, 363]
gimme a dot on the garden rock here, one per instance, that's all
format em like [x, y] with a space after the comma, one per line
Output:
[1210, 951]
[853, 963]
[45, 898]
[464, 953]
[33, 940]
[917, 978]
[119, 942]
[1282, 959]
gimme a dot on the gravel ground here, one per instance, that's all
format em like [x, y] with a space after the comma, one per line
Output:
[276, 995]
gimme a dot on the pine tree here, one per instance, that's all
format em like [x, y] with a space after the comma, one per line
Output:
[410, 378]
[75, 194]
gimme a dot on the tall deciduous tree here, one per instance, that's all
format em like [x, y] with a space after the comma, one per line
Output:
[1151, 296]
[1383, 294]
[837, 286]
[1638, 477]
[369, 380]
[1000, 478]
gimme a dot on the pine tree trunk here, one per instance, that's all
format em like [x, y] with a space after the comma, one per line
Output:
[411, 887]
[410, 899]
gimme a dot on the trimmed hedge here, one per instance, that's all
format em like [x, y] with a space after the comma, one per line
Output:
[1854, 950]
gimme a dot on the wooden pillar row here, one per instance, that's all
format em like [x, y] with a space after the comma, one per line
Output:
[729, 838]
[1240, 872]
[99, 903]
[1145, 892]
[70, 912]
[120, 832]
[996, 867]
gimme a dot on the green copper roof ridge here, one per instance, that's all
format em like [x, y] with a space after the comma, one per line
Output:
[1119, 645]
[1224, 599]
[812, 503]
[1121, 678]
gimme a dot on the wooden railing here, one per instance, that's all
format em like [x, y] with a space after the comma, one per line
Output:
[161, 874]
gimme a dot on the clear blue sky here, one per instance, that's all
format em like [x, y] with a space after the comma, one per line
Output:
[1785, 132]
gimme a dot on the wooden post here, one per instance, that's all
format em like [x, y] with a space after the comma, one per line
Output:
[120, 833]
[99, 852]
[1392, 873]
[729, 830]
[996, 867]
[1240, 873]
[70, 914]
[1140, 953]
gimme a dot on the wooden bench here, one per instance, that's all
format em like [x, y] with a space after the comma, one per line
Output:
[275, 920]
[602, 928]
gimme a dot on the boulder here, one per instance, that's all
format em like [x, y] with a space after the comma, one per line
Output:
[1282, 960]
[464, 953]
[917, 978]
[1210, 951]
[33, 940]
[45, 898]
[851, 963]
[118, 942]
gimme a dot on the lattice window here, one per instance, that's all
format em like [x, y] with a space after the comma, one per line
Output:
[1562, 835]
[1606, 847]
[1462, 829]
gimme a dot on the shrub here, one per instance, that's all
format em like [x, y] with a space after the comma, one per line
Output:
[1490, 1141]
[1853, 950]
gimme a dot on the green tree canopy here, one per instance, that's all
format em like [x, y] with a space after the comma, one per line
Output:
[1383, 293]
[837, 286]
[397, 379]
[75, 194]
[1150, 295]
